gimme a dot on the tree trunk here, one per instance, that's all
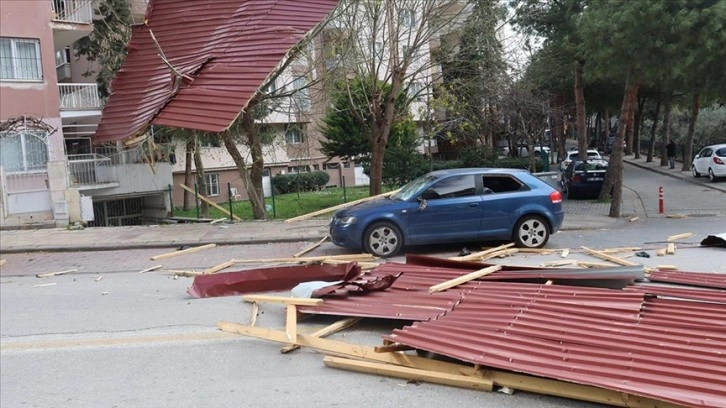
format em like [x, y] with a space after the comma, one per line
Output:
[558, 131]
[653, 129]
[607, 125]
[688, 150]
[258, 162]
[636, 127]
[598, 128]
[580, 109]
[188, 171]
[201, 179]
[614, 176]
[628, 141]
[239, 161]
[666, 128]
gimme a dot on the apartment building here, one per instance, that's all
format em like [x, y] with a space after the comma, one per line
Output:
[50, 172]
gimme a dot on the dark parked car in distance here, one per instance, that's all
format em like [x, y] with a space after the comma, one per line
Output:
[584, 178]
[457, 205]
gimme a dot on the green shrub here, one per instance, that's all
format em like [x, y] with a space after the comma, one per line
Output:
[299, 182]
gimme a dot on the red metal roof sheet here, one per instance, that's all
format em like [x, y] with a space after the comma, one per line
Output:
[224, 48]
[711, 280]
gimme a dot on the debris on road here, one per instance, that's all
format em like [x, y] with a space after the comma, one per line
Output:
[42, 285]
[182, 252]
[680, 236]
[50, 274]
[715, 241]
[153, 268]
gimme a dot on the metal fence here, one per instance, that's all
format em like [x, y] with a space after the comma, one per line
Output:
[79, 96]
[72, 11]
[90, 169]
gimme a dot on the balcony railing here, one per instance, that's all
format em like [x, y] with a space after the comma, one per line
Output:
[91, 169]
[79, 97]
[72, 11]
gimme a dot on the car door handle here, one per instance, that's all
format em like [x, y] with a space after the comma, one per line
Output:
[473, 204]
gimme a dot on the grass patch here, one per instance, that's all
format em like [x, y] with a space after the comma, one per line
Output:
[286, 205]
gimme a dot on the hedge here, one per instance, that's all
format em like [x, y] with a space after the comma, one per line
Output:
[299, 182]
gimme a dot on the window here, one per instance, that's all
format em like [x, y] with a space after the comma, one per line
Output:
[452, 187]
[20, 59]
[298, 169]
[300, 97]
[212, 180]
[378, 49]
[408, 18]
[501, 184]
[415, 91]
[24, 152]
[62, 57]
[294, 134]
[272, 88]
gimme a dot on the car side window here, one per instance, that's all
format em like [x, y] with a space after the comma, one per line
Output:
[451, 187]
[501, 183]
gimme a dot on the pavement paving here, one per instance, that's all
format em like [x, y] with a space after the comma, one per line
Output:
[579, 215]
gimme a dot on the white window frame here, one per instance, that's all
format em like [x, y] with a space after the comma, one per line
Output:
[294, 134]
[27, 166]
[301, 96]
[11, 66]
[408, 18]
[212, 181]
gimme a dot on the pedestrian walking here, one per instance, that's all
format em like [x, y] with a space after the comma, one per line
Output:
[671, 153]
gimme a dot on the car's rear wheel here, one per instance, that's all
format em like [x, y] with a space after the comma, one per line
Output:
[694, 171]
[383, 239]
[531, 231]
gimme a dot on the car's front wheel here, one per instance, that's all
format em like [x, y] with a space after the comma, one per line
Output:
[383, 239]
[531, 231]
[711, 176]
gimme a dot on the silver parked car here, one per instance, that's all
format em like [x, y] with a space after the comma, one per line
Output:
[711, 161]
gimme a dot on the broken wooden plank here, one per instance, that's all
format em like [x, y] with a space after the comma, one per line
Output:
[253, 313]
[676, 216]
[182, 252]
[42, 285]
[565, 252]
[188, 274]
[667, 267]
[49, 274]
[609, 257]
[363, 265]
[217, 268]
[153, 268]
[210, 202]
[412, 374]
[324, 332]
[283, 300]
[464, 278]
[563, 262]
[633, 219]
[661, 252]
[587, 264]
[540, 251]
[311, 247]
[680, 236]
[500, 254]
[339, 206]
[478, 255]
[390, 348]
[2, 261]
[671, 249]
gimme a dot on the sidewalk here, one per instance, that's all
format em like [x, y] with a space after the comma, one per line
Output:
[676, 173]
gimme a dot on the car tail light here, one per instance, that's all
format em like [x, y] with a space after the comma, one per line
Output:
[556, 197]
[717, 160]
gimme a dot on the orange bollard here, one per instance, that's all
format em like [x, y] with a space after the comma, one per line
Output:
[661, 204]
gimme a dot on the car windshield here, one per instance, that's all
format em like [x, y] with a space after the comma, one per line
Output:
[592, 165]
[413, 187]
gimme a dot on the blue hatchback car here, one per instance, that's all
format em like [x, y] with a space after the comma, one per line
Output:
[458, 205]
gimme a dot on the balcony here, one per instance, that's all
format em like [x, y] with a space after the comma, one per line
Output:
[91, 171]
[79, 100]
[71, 20]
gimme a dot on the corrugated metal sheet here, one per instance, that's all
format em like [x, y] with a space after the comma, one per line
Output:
[632, 340]
[709, 280]
[225, 48]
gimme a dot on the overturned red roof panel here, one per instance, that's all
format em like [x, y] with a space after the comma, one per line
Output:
[224, 49]
[711, 280]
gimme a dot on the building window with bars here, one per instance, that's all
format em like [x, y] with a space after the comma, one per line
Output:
[20, 59]
[294, 134]
[24, 152]
[408, 18]
[301, 96]
[212, 180]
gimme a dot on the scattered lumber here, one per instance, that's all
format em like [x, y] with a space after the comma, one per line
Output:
[291, 315]
[363, 265]
[189, 274]
[210, 202]
[338, 207]
[563, 262]
[411, 374]
[608, 257]
[565, 252]
[500, 254]
[619, 249]
[311, 247]
[217, 268]
[390, 348]
[153, 268]
[661, 252]
[633, 219]
[675, 216]
[671, 249]
[182, 252]
[49, 274]
[667, 267]
[2, 261]
[478, 255]
[464, 278]
[676, 237]
[325, 331]
[42, 285]
[540, 251]
[587, 264]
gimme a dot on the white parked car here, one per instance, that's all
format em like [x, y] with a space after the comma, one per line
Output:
[711, 161]
[574, 155]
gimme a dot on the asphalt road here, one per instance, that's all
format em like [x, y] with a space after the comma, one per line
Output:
[108, 336]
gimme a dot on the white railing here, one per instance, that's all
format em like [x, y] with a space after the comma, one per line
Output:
[90, 169]
[79, 96]
[72, 11]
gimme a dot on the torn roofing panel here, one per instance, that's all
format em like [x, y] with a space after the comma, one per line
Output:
[711, 280]
[224, 49]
